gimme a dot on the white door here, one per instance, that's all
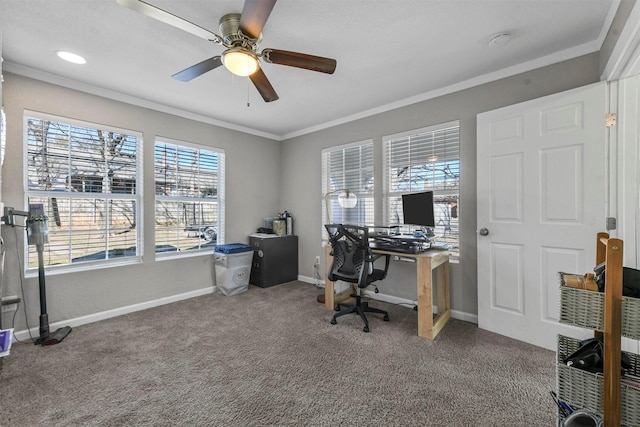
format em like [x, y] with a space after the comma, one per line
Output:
[541, 198]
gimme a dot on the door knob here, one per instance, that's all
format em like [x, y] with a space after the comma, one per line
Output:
[484, 231]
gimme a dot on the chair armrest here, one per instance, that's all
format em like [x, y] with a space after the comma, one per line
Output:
[386, 263]
[371, 257]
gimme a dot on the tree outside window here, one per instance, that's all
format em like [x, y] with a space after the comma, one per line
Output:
[86, 177]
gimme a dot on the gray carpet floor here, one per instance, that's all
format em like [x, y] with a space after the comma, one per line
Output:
[270, 357]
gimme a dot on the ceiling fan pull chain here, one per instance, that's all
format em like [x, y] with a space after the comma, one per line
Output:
[248, 93]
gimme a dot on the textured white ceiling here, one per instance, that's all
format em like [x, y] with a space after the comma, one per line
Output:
[389, 52]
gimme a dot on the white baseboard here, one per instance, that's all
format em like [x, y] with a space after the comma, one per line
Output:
[466, 317]
[90, 318]
[95, 317]
[311, 280]
[460, 315]
[456, 314]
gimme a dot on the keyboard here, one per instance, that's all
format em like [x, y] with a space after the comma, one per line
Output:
[397, 245]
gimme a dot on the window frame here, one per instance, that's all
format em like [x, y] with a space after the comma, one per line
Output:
[366, 198]
[388, 194]
[219, 199]
[137, 196]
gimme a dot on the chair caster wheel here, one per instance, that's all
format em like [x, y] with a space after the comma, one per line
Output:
[365, 329]
[386, 318]
[333, 321]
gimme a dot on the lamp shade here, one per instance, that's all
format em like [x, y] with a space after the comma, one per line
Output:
[346, 199]
[240, 62]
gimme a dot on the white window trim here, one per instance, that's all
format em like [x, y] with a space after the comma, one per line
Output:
[139, 196]
[325, 188]
[386, 193]
[163, 256]
[431, 128]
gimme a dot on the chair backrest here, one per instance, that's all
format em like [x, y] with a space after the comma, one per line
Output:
[350, 249]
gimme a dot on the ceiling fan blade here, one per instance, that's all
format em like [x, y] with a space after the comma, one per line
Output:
[261, 83]
[300, 60]
[198, 69]
[254, 15]
[168, 18]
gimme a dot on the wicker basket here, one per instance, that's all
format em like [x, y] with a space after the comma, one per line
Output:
[584, 308]
[583, 389]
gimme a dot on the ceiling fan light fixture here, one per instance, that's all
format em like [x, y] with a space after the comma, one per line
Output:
[240, 61]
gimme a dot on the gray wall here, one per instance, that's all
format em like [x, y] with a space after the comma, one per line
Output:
[252, 191]
[301, 159]
[263, 177]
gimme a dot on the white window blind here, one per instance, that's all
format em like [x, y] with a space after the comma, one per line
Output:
[189, 206]
[425, 160]
[88, 179]
[348, 167]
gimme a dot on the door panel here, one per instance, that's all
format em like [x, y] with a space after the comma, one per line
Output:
[507, 284]
[506, 179]
[541, 195]
[561, 179]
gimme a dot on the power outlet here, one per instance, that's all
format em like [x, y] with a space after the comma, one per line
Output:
[9, 304]
[316, 262]
[9, 308]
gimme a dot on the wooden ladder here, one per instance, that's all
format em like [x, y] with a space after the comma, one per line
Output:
[610, 251]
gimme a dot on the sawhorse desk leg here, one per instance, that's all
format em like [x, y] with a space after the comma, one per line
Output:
[428, 326]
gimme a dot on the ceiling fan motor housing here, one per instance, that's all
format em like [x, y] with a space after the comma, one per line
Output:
[231, 34]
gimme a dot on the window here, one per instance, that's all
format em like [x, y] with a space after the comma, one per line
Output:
[75, 170]
[348, 167]
[189, 207]
[424, 160]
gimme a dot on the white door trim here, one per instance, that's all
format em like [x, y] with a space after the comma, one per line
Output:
[625, 57]
[624, 162]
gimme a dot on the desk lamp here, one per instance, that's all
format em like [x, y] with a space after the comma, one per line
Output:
[346, 199]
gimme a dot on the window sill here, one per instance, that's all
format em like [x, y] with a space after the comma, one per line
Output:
[167, 256]
[89, 266]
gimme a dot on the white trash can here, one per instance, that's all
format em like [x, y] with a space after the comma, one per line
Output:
[232, 264]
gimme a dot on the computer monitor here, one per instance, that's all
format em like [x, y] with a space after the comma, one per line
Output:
[417, 209]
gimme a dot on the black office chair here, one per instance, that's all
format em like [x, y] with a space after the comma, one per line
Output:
[353, 262]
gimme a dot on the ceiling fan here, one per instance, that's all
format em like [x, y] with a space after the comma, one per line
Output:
[241, 33]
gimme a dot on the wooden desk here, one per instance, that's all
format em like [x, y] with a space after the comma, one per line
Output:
[426, 263]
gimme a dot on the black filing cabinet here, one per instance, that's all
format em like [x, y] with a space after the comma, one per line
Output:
[275, 259]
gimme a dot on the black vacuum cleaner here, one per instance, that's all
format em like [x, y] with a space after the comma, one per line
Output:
[38, 235]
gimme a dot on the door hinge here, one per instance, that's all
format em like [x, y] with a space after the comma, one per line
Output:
[611, 119]
[611, 223]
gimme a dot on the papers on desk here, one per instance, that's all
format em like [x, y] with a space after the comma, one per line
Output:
[5, 341]
[264, 235]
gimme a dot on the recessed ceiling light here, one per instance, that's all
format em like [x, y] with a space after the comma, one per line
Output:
[71, 57]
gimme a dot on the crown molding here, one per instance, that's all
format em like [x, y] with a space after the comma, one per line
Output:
[556, 57]
[118, 96]
[544, 61]
[625, 58]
